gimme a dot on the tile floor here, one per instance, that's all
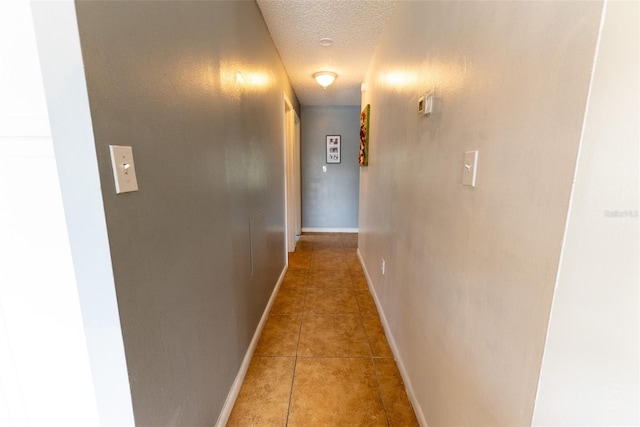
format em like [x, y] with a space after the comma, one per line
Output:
[323, 358]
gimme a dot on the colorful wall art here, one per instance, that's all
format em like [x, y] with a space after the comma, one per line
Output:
[363, 156]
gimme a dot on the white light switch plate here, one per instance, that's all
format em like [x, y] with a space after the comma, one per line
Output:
[124, 171]
[470, 166]
[425, 104]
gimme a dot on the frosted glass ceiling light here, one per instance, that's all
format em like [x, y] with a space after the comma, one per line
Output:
[324, 78]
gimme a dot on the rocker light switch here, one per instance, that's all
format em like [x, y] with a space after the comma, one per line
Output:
[470, 166]
[124, 172]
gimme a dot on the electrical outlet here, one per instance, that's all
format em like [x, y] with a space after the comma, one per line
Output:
[382, 265]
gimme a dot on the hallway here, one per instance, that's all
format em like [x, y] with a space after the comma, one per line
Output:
[500, 192]
[323, 358]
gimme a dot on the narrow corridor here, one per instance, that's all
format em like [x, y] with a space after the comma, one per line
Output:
[323, 358]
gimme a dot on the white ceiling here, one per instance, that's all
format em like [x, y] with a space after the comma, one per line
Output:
[355, 26]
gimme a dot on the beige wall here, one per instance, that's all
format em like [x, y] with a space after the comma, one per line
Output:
[470, 272]
[590, 372]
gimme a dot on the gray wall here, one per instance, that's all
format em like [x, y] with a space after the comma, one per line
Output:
[164, 77]
[470, 272]
[329, 199]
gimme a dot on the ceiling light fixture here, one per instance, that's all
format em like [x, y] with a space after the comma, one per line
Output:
[326, 41]
[325, 78]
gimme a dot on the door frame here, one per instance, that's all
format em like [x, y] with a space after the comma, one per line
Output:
[291, 142]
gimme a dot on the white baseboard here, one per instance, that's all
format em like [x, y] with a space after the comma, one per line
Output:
[394, 348]
[328, 230]
[237, 383]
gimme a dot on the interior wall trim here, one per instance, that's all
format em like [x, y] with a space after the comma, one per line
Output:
[328, 230]
[242, 372]
[394, 349]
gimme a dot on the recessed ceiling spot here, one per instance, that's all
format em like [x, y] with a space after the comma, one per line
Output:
[326, 41]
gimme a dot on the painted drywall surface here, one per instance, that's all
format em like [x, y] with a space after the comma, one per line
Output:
[45, 372]
[75, 154]
[329, 199]
[470, 271]
[590, 374]
[196, 89]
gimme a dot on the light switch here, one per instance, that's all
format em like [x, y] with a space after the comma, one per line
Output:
[425, 104]
[470, 166]
[124, 172]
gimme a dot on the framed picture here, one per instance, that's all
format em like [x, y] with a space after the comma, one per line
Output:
[333, 148]
[363, 155]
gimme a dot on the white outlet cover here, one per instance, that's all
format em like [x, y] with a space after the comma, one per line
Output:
[470, 167]
[124, 171]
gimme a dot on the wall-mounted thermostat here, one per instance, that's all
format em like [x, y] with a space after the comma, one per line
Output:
[425, 105]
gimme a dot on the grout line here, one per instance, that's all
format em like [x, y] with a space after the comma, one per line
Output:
[295, 361]
[380, 394]
[373, 365]
[350, 278]
[337, 357]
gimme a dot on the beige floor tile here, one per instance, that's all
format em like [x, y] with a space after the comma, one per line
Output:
[396, 401]
[295, 278]
[300, 259]
[333, 336]
[335, 392]
[304, 246]
[279, 336]
[288, 301]
[349, 251]
[323, 237]
[359, 282]
[299, 254]
[377, 339]
[328, 243]
[300, 262]
[329, 278]
[328, 252]
[331, 301]
[322, 254]
[264, 397]
[333, 263]
[356, 270]
[366, 303]
[350, 241]
[320, 235]
[325, 315]
[354, 265]
[352, 258]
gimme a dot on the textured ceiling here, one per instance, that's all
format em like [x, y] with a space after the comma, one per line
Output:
[355, 26]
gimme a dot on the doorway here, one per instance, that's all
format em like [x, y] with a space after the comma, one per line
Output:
[293, 214]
